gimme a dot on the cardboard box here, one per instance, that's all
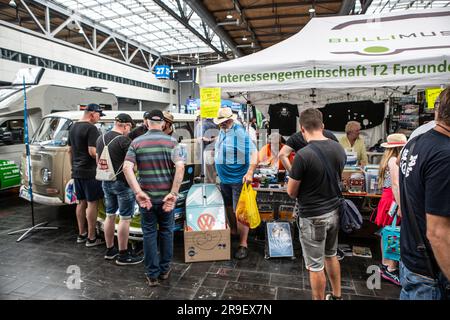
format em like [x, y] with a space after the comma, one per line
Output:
[286, 213]
[212, 245]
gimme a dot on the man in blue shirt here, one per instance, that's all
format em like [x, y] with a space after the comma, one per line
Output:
[235, 158]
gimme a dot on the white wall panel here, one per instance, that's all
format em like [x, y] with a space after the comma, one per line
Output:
[41, 47]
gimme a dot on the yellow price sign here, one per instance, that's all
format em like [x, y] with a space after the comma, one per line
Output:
[431, 95]
[209, 102]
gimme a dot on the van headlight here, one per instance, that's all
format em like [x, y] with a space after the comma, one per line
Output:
[46, 175]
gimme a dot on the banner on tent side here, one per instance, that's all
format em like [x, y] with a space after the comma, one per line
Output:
[209, 102]
[392, 49]
[431, 95]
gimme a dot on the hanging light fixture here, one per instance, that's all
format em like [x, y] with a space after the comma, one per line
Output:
[312, 10]
[229, 15]
[244, 38]
[13, 4]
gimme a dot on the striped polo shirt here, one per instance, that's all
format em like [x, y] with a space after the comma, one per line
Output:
[152, 153]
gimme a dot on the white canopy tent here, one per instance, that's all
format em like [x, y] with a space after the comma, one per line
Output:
[342, 58]
[344, 54]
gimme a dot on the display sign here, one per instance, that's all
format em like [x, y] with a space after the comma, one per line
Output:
[431, 95]
[235, 106]
[162, 72]
[192, 104]
[9, 174]
[209, 102]
[279, 239]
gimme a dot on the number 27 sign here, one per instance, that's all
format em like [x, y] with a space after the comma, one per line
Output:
[162, 72]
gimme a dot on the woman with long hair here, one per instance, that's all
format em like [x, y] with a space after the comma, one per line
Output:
[388, 179]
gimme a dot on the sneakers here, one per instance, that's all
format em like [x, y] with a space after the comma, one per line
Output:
[152, 282]
[96, 242]
[82, 238]
[128, 259]
[111, 253]
[164, 275]
[391, 276]
[330, 296]
[241, 253]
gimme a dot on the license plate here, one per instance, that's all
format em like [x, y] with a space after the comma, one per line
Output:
[24, 194]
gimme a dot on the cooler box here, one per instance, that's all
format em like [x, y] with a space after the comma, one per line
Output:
[205, 208]
[206, 234]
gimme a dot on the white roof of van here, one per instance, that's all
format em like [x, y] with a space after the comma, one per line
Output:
[110, 115]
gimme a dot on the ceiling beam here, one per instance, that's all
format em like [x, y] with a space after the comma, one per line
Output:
[272, 26]
[199, 8]
[278, 5]
[280, 16]
[61, 10]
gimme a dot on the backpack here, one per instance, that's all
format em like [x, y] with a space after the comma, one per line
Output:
[105, 168]
[350, 218]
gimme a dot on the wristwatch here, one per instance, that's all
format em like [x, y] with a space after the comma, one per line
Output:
[176, 194]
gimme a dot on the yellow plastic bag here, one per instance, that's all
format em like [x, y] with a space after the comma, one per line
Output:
[247, 211]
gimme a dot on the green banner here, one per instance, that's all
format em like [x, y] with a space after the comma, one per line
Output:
[259, 118]
[9, 174]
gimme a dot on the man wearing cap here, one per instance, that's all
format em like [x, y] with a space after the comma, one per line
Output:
[118, 195]
[82, 140]
[167, 129]
[236, 158]
[160, 166]
[138, 131]
[168, 123]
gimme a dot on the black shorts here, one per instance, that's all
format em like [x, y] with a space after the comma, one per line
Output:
[88, 189]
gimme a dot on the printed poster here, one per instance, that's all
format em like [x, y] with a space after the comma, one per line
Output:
[209, 102]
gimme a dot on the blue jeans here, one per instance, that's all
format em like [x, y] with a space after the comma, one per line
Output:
[118, 195]
[155, 263]
[417, 287]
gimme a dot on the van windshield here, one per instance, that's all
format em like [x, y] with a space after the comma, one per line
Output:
[54, 131]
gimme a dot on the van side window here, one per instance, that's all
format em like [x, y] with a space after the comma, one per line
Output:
[104, 127]
[189, 126]
[12, 132]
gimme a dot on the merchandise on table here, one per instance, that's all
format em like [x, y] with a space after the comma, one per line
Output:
[286, 213]
[357, 183]
[347, 183]
[371, 175]
[266, 212]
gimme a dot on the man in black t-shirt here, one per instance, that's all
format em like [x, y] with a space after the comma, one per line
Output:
[425, 205]
[318, 219]
[118, 195]
[297, 142]
[82, 140]
[142, 129]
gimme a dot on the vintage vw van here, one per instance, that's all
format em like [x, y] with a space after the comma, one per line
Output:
[50, 159]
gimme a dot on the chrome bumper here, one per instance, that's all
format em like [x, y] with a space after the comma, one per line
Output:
[38, 198]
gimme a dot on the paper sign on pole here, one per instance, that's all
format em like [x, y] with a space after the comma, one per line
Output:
[431, 95]
[209, 102]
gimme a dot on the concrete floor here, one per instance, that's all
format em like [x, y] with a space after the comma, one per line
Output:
[36, 268]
